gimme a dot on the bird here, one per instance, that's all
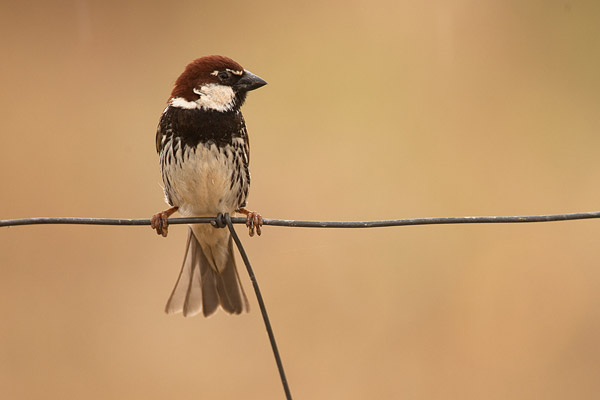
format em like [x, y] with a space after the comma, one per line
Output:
[203, 146]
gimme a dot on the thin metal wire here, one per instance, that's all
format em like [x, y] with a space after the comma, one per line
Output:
[261, 303]
[311, 224]
[221, 221]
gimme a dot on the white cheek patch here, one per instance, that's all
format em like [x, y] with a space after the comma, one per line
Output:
[215, 97]
[212, 97]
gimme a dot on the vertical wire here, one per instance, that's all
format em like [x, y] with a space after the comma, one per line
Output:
[261, 304]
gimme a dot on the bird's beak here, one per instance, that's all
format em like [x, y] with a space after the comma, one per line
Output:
[249, 81]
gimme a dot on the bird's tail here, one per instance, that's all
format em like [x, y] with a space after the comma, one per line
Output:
[208, 277]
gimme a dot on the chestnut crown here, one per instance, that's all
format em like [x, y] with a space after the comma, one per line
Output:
[214, 71]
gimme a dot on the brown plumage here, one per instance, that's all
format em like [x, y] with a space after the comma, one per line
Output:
[199, 72]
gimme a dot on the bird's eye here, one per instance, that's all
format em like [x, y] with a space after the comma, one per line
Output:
[223, 76]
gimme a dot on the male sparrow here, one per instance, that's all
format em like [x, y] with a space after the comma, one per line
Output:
[203, 147]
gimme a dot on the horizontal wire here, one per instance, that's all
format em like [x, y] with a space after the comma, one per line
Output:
[310, 224]
[305, 224]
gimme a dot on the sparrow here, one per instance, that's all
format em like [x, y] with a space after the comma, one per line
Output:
[204, 155]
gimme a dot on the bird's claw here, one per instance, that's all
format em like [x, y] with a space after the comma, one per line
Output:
[160, 221]
[254, 221]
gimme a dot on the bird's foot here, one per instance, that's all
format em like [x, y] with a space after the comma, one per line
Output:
[160, 221]
[253, 221]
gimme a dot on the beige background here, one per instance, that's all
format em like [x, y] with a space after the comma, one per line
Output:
[373, 110]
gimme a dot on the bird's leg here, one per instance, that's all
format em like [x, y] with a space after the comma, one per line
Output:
[253, 220]
[160, 221]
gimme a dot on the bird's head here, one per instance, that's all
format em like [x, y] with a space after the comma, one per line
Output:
[213, 83]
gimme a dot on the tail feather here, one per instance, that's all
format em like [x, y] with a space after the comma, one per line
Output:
[202, 287]
[231, 294]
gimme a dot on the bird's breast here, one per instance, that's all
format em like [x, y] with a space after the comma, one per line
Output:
[205, 179]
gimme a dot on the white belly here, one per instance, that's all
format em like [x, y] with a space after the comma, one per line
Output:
[201, 185]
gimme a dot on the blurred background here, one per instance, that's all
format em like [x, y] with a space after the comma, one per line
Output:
[374, 110]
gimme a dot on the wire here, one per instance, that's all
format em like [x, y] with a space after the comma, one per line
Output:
[311, 224]
[225, 220]
[261, 303]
